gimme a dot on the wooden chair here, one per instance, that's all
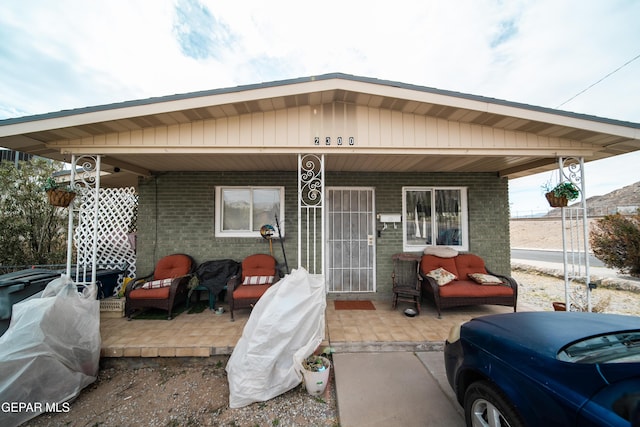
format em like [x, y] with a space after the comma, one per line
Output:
[406, 280]
[258, 273]
[166, 287]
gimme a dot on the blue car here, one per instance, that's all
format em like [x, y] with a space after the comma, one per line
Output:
[547, 369]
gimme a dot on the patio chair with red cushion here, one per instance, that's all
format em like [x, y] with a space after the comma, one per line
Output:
[163, 289]
[258, 273]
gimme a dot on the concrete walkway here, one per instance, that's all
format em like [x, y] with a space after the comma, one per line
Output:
[394, 388]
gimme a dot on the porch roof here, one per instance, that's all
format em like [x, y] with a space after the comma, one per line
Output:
[55, 134]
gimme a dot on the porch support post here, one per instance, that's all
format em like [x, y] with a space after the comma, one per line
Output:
[585, 233]
[85, 180]
[96, 214]
[310, 212]
[572, 170]
[70, 223]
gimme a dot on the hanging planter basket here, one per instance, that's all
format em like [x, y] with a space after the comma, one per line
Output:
[555, 201]
[60, 198]
[560, 195]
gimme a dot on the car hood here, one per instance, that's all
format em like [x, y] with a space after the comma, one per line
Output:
[548, 332]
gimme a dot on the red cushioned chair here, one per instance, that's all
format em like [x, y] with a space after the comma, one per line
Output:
[463, 290]
[258, 273]
[165, 288]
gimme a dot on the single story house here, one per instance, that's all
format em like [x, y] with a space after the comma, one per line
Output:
[355, 169]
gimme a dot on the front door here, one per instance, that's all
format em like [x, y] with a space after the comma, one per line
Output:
[350, 251]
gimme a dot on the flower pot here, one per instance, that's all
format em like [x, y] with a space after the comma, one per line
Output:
[559, 306]
[316, 381]
[555, 201]
[60, 198]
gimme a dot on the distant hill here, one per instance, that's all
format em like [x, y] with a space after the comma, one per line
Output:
[623, 200]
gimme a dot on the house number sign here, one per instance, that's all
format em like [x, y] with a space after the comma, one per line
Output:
[339, 140]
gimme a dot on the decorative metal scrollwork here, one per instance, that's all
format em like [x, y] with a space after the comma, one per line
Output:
[85, 168]
[572, 171]
[311, 180]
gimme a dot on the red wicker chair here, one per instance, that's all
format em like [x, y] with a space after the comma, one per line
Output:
[462, 290]
[258, 273]
[165, 288]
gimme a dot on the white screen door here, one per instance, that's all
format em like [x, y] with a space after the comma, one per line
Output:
[350, 251]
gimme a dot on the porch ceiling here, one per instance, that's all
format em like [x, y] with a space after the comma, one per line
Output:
[334, 162]
[508, 166]
[34, 134]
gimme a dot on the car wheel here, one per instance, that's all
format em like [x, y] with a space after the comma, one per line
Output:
[485, 406]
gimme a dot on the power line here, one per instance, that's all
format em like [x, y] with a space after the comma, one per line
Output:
[610, 74]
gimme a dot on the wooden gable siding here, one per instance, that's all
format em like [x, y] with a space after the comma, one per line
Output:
[292, 129]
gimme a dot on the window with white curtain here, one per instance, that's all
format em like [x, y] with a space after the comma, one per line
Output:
[434, 216]
[242, 211]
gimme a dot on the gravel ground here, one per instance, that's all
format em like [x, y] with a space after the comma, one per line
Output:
[186, 394]
[540, 290]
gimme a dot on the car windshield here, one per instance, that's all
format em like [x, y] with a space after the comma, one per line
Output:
[619, 347]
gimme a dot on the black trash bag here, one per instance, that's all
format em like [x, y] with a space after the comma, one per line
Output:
[214, 275]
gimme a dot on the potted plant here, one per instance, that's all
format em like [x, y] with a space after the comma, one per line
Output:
[316, 369]
[560, 195]
[59, 195]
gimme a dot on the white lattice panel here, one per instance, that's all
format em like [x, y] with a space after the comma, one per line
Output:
[115, 214]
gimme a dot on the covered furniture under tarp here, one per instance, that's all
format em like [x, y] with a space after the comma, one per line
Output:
[18, 286]
[258, 273]
[286, 325]
[166, 287]
[50, 352]
[213, 276]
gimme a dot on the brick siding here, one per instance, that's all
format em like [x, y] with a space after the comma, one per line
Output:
[176, 215]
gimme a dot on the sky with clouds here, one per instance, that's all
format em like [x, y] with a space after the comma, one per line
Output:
[65, 54]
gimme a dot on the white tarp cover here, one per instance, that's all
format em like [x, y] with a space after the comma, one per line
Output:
[286, 325]
[50, 352]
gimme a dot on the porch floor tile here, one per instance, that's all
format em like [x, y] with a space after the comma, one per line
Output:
[207, 333]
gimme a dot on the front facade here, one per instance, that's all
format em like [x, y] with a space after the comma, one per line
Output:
[400, 168]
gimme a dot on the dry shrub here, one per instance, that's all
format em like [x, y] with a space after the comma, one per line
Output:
[615, 240]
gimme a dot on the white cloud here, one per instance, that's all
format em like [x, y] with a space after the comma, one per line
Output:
[74, 53]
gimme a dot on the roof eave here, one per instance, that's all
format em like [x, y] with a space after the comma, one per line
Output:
[332, 81]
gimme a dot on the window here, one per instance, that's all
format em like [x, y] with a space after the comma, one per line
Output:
[619, 347]
[242, 211]
[434, 216]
